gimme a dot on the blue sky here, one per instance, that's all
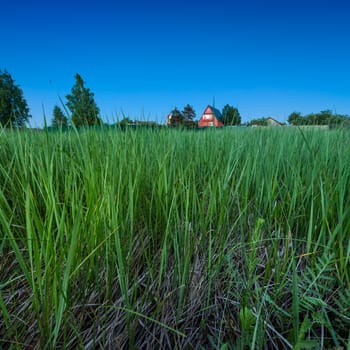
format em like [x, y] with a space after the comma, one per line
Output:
[142, 58]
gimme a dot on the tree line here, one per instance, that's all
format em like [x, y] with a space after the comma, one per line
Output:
[80, 104]
[326, 117]
[230, 116]
[80, 109]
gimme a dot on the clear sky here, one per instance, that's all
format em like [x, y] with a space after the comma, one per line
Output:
[143, 58]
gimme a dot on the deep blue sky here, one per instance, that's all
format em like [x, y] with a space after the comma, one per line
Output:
[268, 58]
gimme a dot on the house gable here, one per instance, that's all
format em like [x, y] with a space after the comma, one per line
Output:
[210, 117]
[273, 122]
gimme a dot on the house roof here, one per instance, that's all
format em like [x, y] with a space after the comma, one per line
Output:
[215, 111]
[274, 120]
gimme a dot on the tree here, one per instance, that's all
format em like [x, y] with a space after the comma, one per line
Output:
[82, 105]
[258, 122]
[230, 115]
[59, 119]
[14, 111]
[175, 118]
[296, 118]
[326, 117]
[188, 112]
[125, 121]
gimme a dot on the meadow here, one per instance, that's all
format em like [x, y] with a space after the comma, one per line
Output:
[170, 239]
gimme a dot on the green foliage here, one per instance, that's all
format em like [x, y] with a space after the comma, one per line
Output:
[230, 115]
[14, 111]
[82, 106]
[247, 319]
[175, 118]
[189, 113]
[302, 342]
[183, 119]
[59, 119]
[125, 121]
[259, 122]
[295, 118]
[170, 239]
[326, 117]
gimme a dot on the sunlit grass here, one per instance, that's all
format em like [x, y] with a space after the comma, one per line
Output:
[169, 238]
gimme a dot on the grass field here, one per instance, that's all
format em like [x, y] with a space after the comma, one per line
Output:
[169, 239]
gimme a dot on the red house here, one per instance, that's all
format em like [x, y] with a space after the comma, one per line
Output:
[210, 117]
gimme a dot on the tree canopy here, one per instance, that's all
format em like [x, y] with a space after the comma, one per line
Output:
[259, 122]
[326, 117]
[176, 118]
[82, 105]
[188, 112]
[125, 121]
[183, 119]
[14, 111]
[59, 119]
[230, 115]
[295, 118]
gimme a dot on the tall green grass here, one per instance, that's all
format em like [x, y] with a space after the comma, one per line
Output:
[174, 239]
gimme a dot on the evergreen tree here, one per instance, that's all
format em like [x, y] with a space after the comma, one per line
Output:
[230, 115]
[176, 118]
[188, 113]
[14, 111]
[82, 105]
[59, 119]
